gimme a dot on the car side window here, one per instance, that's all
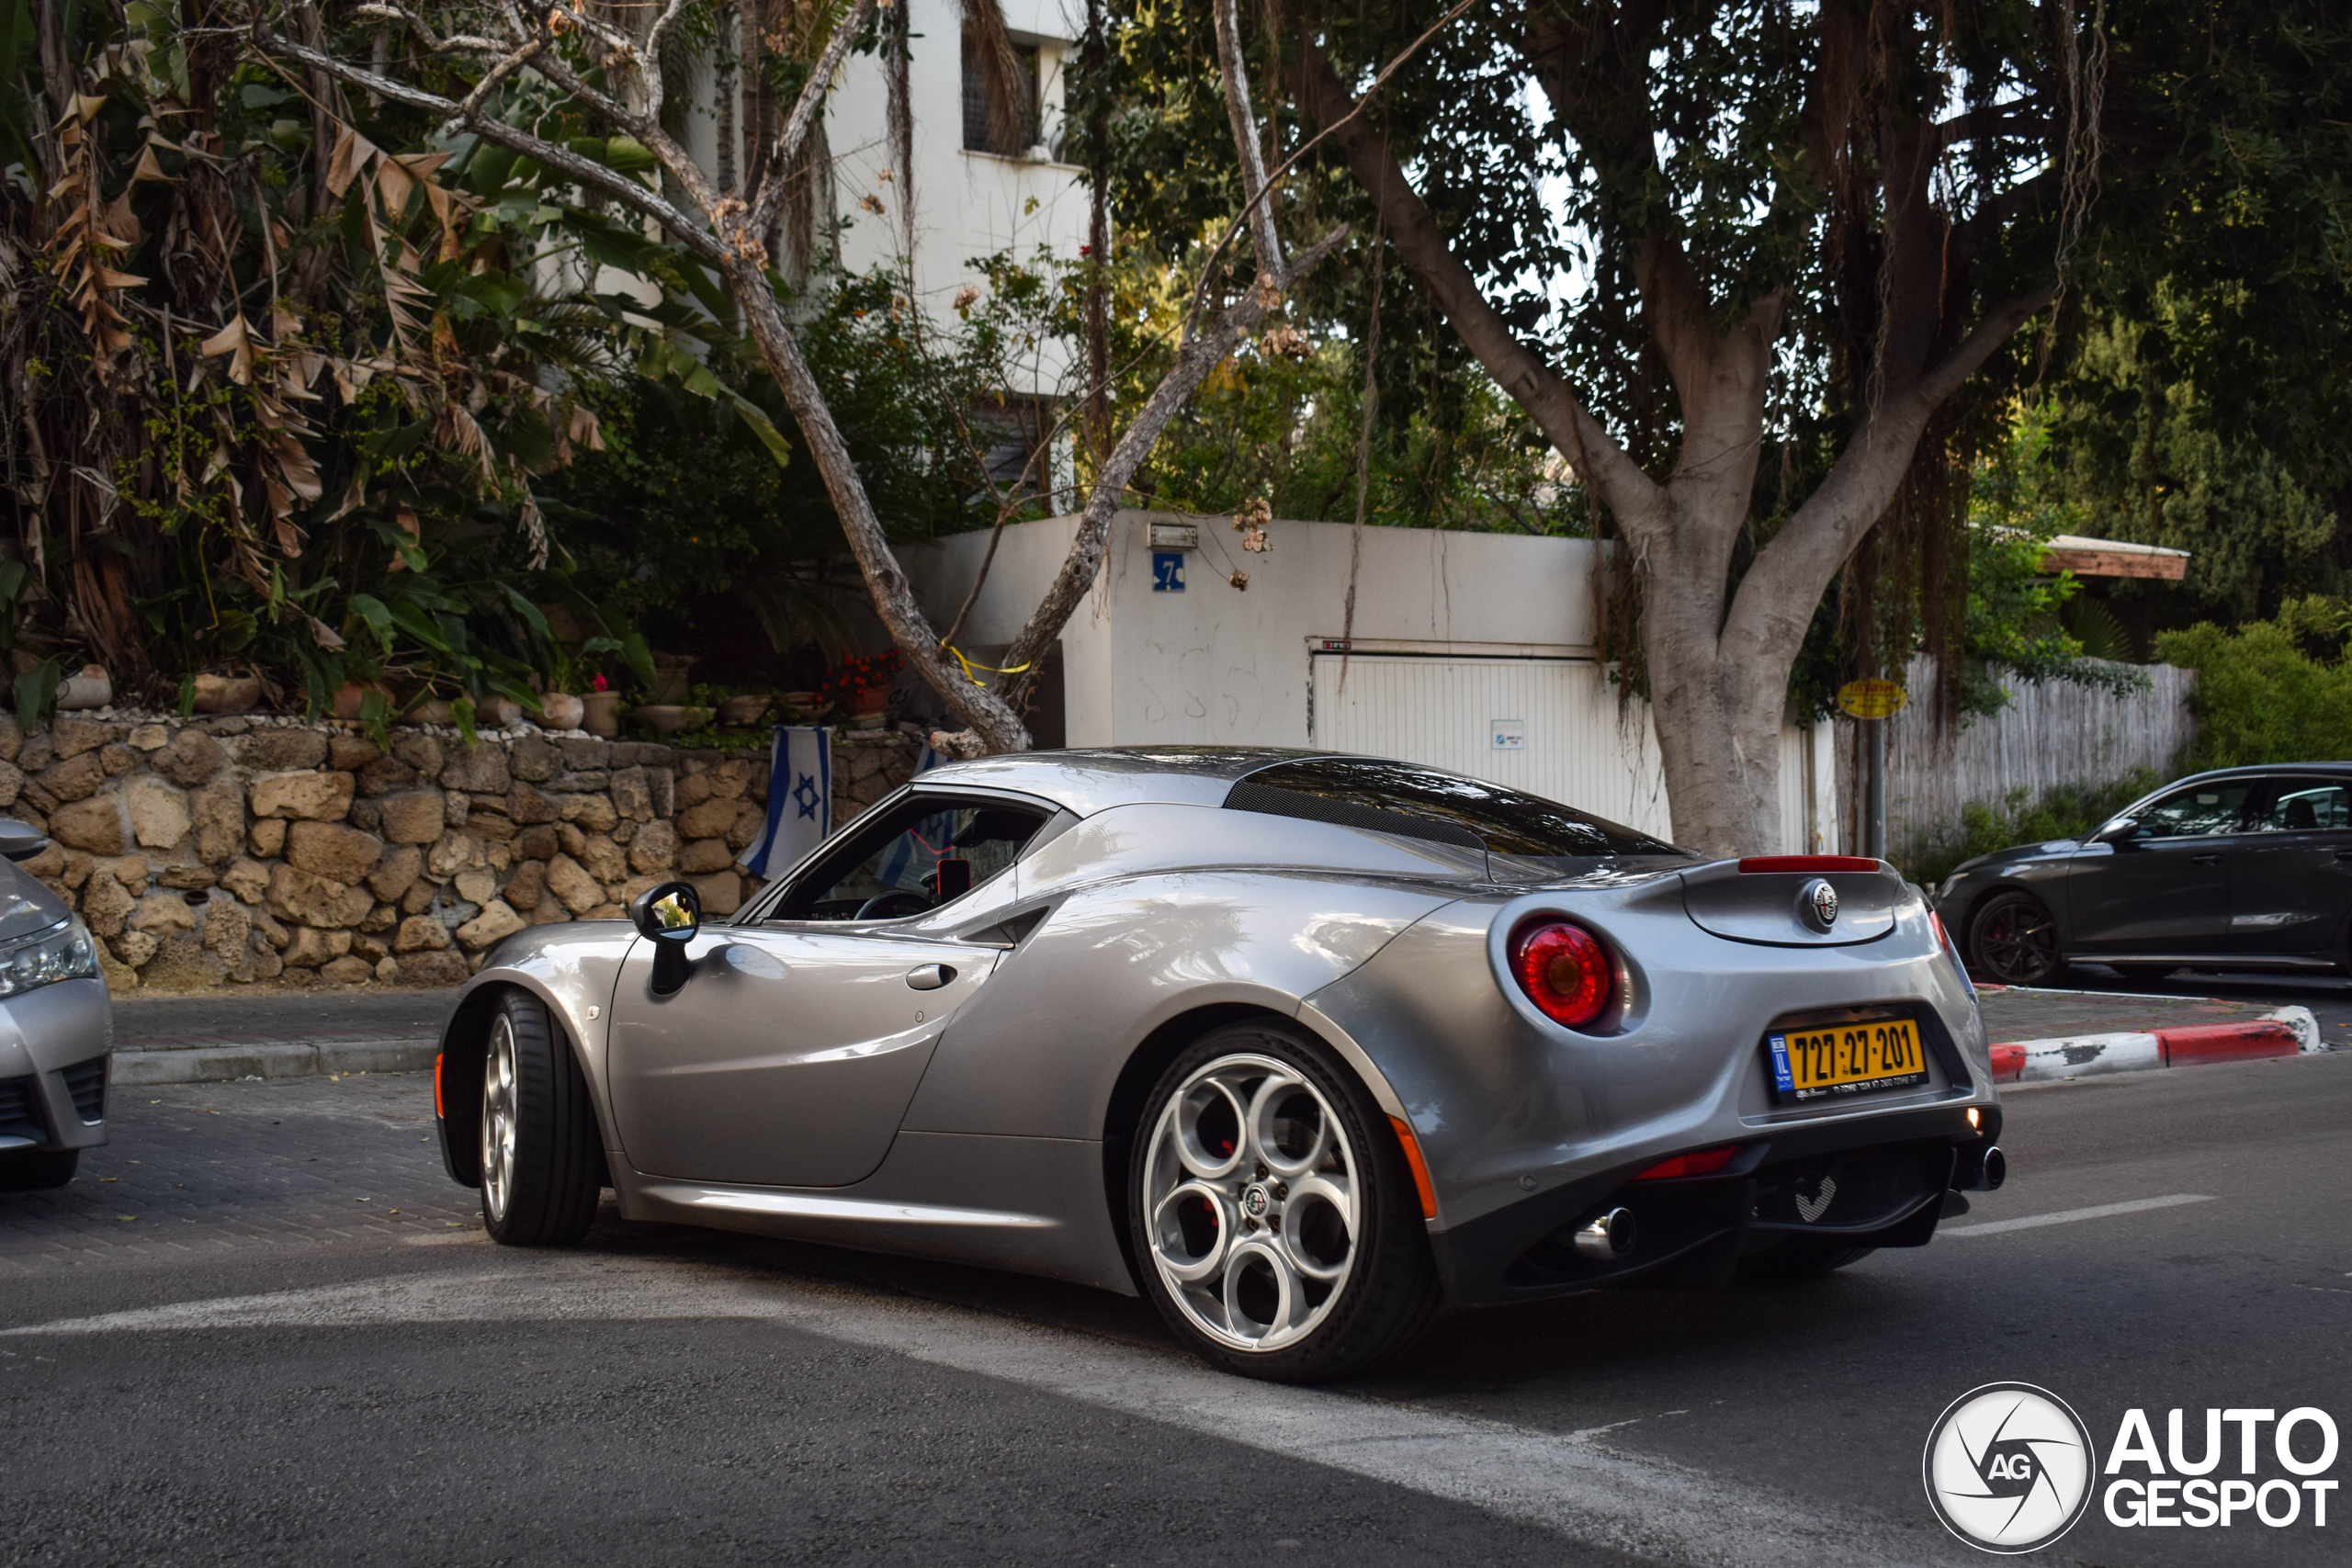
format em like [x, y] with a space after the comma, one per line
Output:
[925, 852]
[2305, 806]
[2195, 812]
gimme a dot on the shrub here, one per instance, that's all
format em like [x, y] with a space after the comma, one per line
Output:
[2261, 697]
[2066, 812]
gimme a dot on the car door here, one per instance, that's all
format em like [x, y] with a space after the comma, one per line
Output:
[2160, 887]
[2294, 882]
[789, 1054]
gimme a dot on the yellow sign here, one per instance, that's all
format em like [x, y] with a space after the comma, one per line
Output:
[1871, 699]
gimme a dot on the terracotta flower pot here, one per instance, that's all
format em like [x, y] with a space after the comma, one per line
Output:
[601, 713]
[867, 702]
[347, 699]
[561, 710]
[432, 710]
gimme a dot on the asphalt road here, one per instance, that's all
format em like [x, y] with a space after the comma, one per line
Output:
[265, 1329]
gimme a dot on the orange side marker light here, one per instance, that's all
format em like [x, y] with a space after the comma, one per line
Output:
[1420, 1167]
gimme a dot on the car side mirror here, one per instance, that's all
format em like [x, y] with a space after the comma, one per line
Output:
[20, 840]
[2119, 831]
[668, 915]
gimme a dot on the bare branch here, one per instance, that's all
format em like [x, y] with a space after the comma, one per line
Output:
[650, 62]
[1198, 357]
[1260, 212]
[804, 113]
[438, 45]
[563, 160]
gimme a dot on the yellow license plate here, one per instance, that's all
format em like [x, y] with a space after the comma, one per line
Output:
[1854, 1058]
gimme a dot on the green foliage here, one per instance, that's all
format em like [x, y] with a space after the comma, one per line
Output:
[2067, 812]
[2262, 696]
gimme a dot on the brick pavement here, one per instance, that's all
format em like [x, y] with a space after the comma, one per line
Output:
[196, 1169]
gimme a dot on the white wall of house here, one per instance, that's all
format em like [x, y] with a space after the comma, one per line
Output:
[1470, 651]
[966, 204]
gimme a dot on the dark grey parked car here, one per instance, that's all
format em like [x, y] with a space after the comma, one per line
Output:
[55, 1026]
[2243, 868]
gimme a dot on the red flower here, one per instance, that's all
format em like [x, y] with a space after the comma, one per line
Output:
[598, 684]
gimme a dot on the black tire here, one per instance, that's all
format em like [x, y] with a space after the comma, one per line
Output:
[2014, 940]
[39, 1169]
[1386, 1285]
[543, 1193]
[1797, 1259]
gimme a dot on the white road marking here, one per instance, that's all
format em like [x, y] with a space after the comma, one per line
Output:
[2067, 1216]
[1635, 1504]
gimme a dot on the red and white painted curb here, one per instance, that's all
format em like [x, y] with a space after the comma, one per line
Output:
[2291, 1031]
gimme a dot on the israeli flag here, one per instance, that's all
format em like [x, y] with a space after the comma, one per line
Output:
[800, 799]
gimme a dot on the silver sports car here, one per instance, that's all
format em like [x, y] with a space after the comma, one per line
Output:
[1301, 1046]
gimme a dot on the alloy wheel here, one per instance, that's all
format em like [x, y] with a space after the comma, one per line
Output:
[1252, 1203]
[498, 1119]
[2017, 942]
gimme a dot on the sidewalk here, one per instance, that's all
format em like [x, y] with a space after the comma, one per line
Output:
[211, 1036]
[2045, 1036]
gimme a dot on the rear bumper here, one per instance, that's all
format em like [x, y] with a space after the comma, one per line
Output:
[1887, 1177]
[54, 1066]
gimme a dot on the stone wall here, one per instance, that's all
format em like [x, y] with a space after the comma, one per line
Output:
[237, 851]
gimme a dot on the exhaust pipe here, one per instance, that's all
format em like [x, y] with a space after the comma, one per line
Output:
[1607, 1237]
[1981, 1171]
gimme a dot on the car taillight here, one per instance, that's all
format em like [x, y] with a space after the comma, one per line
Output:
[1700, 1162]
[1563, 969]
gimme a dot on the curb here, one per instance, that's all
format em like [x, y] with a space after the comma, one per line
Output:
[212, 1064]
[2289, 1031]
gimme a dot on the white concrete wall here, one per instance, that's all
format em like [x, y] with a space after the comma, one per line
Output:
[1217, 666]
[966, 204]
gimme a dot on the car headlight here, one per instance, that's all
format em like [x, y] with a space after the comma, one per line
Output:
[66, 950]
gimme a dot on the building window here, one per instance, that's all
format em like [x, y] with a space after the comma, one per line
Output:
[1000, 115]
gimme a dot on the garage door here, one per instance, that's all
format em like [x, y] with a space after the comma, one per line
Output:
[1551, 726]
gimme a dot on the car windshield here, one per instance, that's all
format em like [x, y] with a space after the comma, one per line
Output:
[1506, 821]
[891, 867]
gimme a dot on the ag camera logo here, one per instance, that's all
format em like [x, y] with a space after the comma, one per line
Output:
[2010, 1468]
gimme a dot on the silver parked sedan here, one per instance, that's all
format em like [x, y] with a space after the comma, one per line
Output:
[1300, 1046]
[55, 1026]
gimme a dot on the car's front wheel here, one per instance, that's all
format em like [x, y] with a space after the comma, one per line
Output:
[539, 1146]
[30, 1172]
[1277, 1222]
[2014, 940]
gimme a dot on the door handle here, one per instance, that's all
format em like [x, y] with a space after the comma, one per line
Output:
[930, 976]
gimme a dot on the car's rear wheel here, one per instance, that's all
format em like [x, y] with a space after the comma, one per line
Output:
[30, 1172]
[1278, 1224]
[1798, 1258]
[540, 1144]
[2014, 940]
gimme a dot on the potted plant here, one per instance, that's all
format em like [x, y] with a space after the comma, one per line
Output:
[561, 706]
[601, 709]
[861, 684]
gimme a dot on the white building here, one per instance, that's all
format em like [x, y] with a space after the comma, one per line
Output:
[971, 195]
[1469, 651]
